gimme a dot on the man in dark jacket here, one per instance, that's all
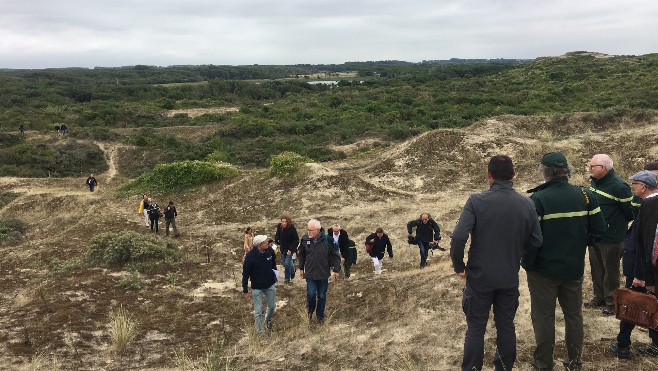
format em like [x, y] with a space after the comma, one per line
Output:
[643, 185]
[91, 183]
[341, 241]
[170, 215]
[287, 238]
[614, 196]
[316, 257]
[427, 230]
[260, 267]
[506, 227]
[567, 215]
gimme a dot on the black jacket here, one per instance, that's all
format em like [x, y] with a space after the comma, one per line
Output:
[316, 258]
[646, 234]
[381, 245]
[425, 232]
[343, 242]
[632, 262]
[258, 267]
[170, 212]
[287, 239]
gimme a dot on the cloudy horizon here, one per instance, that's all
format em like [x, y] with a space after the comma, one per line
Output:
[74, 33]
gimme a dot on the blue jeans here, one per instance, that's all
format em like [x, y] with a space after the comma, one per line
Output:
[316, 288]
[423, 252]
[289, 267]
[270, 298]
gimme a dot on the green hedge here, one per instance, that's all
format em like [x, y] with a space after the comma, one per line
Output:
[133, 251]
[286, 163]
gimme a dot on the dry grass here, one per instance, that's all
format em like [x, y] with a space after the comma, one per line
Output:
[123, 329]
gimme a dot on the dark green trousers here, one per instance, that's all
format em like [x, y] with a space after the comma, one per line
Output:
[604, 261]
[543, 294]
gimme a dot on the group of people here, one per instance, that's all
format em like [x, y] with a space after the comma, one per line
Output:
[151, 212]
[548, 235]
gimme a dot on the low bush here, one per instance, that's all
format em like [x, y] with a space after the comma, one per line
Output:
[11, 231]
[286, 163]
[133, 251]
[179, 176]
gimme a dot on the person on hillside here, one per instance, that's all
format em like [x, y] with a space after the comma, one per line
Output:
[64, 129]
[287, 238]
[21, 128]
[567, 215]
[91, 183]
[498, 239]
[170, 215]
[614, 196]
[154, 215]
[427, 230]
[644, 185]
[380, 244]
[248, 241]
[342, 241]
[316, 257]
[351, 258]
[260, 268]
[144, 206]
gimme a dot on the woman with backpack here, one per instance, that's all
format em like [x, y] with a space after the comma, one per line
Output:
[154, 215]
[380, 243]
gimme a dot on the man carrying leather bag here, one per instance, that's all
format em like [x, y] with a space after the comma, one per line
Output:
[640, 276]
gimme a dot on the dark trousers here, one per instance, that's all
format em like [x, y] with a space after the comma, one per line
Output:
[476, 303]
[604, 261]
[625, 328]
[316, 297]
[171, 222]
[424, 247]
[543, 294]
[351, 256]
[154, 221]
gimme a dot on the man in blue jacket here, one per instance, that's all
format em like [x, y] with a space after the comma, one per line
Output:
[502, 225]
[260, 267]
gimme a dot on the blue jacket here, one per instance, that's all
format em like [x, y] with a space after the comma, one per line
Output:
[258, 268]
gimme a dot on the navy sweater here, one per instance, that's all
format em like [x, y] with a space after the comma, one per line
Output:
[258, 268]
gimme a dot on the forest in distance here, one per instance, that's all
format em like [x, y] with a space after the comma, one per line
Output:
[274, 109]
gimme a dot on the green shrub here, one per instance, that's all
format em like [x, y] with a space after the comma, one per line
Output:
[286, 163]
[179, 176]
[7, 197]
[11, 231]
[65, 266]
[143, 253]
[132, 282]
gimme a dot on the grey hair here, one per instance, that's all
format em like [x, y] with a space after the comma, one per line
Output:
[605, 160]
[336, 226]
[549, 173]
[314, 223]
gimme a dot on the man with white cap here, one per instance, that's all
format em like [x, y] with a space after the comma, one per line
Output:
[643, 185]
[260, 267]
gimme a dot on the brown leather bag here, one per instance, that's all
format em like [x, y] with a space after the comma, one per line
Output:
[635, 307]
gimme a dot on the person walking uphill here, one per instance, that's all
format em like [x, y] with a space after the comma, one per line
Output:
[567, 214]
[170, 215]
[91, 183]
[144, 206]
[260, 268]
[614, 196]
[427, 230]
[380, 243]
[502, 225]
[154, 215]
[287, 238]
[316, 256]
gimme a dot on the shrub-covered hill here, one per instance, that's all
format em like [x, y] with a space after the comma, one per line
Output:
[59, 308]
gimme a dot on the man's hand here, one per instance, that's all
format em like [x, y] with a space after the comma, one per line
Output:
[342, 260]
[301, 274]
[462, 274]
[246, 296]
[289, 253]
[651, 289]
[638, 282]
[335, 276]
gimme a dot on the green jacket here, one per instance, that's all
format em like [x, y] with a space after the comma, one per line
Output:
[614, 197]
[567, 214]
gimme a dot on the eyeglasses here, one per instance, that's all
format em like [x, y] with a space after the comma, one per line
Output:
[637, 183]
[311, 230]
[425, 220]
[593, 166]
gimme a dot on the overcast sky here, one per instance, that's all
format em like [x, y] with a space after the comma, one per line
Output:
[89, 33]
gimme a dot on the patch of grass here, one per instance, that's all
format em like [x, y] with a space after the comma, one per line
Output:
[7, 197]
[132, 282]
[123, 329]
[134, 251]
[179, 176]
[62, 267]
[286, 163]
[11, 231]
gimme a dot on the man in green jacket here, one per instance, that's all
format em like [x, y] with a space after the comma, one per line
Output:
[614, 196]
[567, 214]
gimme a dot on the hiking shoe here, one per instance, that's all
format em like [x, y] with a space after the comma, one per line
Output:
[268, 324]
[609, 310]
[621, 353]
[594, 303]
[650, 350]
